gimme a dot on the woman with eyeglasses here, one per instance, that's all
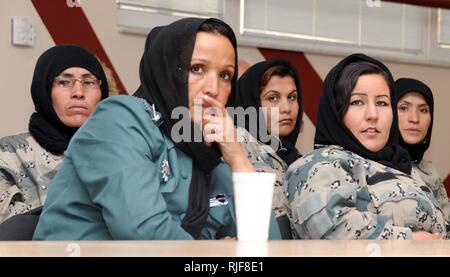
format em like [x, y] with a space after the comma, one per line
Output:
[68, 83]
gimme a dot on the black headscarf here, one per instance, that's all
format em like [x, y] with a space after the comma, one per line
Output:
[248, 95]
[402, 87]
[331, 130]
[45, 125]
[164, 74]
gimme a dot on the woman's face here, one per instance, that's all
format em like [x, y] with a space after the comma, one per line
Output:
[369, 115]
[281, 93]
[212, 69]
[414, 117]
[74, 104]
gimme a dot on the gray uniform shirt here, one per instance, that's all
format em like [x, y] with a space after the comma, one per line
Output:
[26, 170]
[336, 194]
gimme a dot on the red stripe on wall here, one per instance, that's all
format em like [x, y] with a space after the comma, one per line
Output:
[70, 25]
[445, 4]
[310, 81]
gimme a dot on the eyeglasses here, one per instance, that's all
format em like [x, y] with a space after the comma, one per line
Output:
[69, 82]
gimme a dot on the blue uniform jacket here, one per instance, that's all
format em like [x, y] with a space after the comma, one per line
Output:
[122, 178]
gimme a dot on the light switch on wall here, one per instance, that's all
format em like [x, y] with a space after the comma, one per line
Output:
[22, 31]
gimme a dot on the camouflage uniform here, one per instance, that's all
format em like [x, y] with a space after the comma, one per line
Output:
[26, 170]
[427, 172]
[264, 159]
[336, 194]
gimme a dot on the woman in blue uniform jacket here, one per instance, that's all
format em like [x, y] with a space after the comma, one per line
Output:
[129, 173]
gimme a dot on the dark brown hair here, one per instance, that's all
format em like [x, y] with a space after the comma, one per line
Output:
[278, 70]
[347, 79]
[215, 26]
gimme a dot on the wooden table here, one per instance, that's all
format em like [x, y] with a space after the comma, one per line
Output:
[225, 248]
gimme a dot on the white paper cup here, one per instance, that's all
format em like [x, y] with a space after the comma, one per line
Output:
[253, 193]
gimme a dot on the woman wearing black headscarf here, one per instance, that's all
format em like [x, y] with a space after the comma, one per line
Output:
[273, 84]
[269, 93]
[356, 183]
[29, 161]
[415, 107]
[137, 170]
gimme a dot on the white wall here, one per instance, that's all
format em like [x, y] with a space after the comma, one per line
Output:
[16, 106]
[17, 66]
[125, 50]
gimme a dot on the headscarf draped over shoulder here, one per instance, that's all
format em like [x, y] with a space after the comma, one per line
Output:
[45, 125]
[248, 95]
[331, 130]
[164, 75]
[402, 87]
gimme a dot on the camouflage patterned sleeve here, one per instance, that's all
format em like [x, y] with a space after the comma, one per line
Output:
[264, 159]
[437, 186]
[428, 173]
[10, 195]
[26, 170]
[441, 196]
[323, 199]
